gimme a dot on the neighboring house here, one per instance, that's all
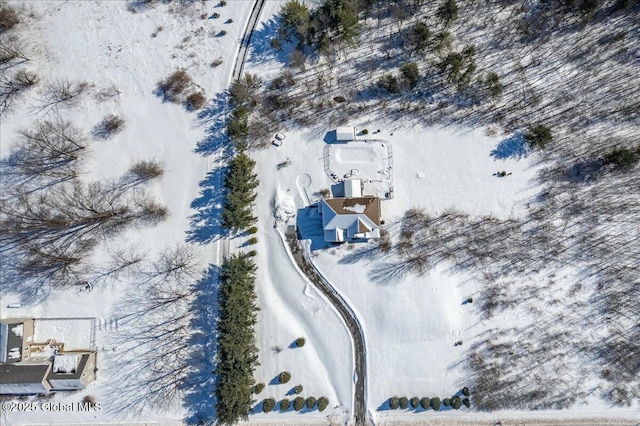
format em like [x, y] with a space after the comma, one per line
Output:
[28, 367]
[345, 219]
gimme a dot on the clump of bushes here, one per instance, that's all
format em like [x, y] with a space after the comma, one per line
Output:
[538, 136]
[8, 18]
[174, 86]
[298, 403]
[389, 83]
[323, 402]
[268, 405]
[300, 341]
[623, 158]
[284, 377]
[196, 101]
[109, 126]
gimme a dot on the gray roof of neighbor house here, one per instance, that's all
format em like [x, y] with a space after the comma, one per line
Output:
[58, 370]
[9, 341]
[23, 378]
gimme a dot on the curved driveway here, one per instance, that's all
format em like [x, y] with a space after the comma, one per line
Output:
[350, 319]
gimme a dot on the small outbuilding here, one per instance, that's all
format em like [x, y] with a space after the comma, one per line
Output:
[345, 134]
[352, 188]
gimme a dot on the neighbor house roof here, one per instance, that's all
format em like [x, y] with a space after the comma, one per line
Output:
[24, 378]
[11, 341]
[347, 218]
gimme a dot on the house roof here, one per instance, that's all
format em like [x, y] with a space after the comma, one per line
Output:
[10, 341]
[368, 206]
[343, 218]
[25, 379]
[68, 366]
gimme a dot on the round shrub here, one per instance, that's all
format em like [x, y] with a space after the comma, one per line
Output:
[252, 230]
[196, 101]
[311, 402]
[465, 391]
[365, 132]
[298, 403]
[298, 389]
[466, 402]
[435, 403]
[404, 402]
[268, 405]
[415, 401]
[285, 404]
[424, 403]
[252, 253]
[456, 403]
[323, 403]
[446, 402]
[284, 377]
[253, 240]
[300, 341]
[259, 387]
[394, 403]
[215, 15]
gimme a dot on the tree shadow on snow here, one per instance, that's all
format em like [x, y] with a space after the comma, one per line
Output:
[260, 47]
[206, 223]
[215, 117]
[512, 147]
[200, 384]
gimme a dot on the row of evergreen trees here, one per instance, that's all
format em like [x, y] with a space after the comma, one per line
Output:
[241, 183]
[237, 352]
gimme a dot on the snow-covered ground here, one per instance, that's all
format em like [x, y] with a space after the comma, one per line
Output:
[109, 46]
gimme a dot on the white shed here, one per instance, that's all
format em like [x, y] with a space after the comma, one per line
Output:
[352, 188]
[345, 134]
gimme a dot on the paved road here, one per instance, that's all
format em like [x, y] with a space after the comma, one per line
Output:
[238, 67]
[353, 326]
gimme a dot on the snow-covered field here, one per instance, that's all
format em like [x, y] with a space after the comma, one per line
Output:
[125, 54]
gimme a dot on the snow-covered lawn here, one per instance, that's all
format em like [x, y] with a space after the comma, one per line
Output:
[122, 55]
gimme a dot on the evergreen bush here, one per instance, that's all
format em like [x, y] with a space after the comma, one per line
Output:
[285, 404]
[435, 403]
[298, 403]
[415, 401]
[268, 405]
[424, 402]
[311, 402]
[404, 402]
[284, 377]
[323, 402]
[394, 403]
